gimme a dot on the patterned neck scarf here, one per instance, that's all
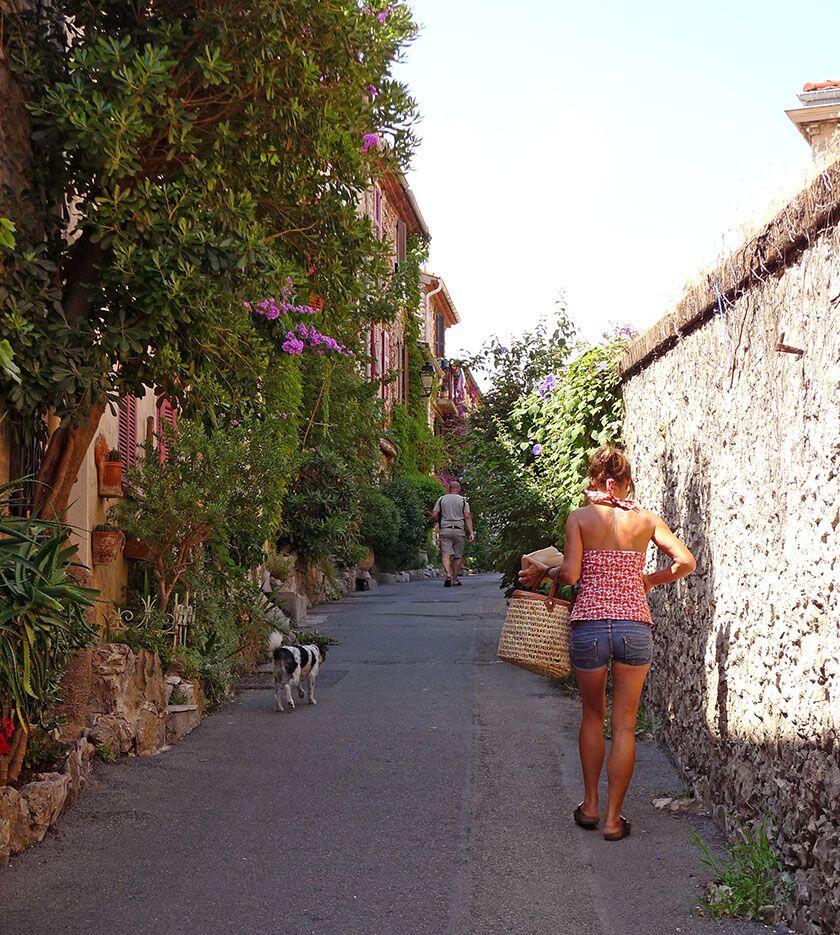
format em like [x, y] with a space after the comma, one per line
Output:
[607, 499]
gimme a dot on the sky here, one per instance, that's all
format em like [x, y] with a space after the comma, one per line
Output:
[602, 150]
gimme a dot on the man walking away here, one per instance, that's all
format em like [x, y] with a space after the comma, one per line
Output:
[452, 512]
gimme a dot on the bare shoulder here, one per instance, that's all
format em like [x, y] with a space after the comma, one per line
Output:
[577, 516]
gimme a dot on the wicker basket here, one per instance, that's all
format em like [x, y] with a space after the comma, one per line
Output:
[536, 633]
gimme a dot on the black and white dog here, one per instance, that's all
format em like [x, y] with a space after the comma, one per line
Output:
[292, 665]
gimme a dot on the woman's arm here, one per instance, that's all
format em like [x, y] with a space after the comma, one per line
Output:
[683, 562]
[534, 573]
[569, 571]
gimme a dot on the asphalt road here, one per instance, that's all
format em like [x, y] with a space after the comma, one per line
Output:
[429, 792]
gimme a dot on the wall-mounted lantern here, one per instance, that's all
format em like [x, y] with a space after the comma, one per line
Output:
[427, 377]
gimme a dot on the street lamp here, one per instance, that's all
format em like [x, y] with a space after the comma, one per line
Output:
[427, 378]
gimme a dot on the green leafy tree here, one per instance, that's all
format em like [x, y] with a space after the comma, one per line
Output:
[551, 403]
[218, 486]
[206, 152]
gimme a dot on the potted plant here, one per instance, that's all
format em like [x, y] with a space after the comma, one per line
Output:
[137, 549]
[105, 543]
[109, 467]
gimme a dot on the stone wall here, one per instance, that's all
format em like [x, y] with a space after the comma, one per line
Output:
[736, 443]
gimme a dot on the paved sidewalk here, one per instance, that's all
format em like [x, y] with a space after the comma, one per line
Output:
[429, 793]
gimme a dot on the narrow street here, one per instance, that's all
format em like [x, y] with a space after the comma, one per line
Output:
[430, 791]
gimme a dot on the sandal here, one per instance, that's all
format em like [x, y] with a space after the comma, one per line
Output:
[457, 584]
[619, 835]
[583, 821]
[447, 582]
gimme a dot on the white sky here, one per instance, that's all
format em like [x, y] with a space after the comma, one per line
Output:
[602, 147]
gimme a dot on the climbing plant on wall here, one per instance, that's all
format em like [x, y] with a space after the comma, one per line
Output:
[551, 402]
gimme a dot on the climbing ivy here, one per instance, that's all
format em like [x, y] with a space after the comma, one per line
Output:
[551, 403]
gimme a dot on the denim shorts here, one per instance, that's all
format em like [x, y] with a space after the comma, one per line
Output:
[593, 643]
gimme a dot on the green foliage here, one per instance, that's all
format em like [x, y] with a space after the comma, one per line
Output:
[219, 485]
[320, 516]
[407, 497]
[321, 640]
[379, 521]
[208, 155]
[428, 490]
[44, 753]
[749, 879]
[105, 753]
[523, 497]
[42, 612]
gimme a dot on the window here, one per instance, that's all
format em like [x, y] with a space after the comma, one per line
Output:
[440, 336]
[127, 431]
[167, 419]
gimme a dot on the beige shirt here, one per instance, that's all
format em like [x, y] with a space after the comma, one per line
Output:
[452, 508]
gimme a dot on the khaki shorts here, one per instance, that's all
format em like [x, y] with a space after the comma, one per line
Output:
[452, 542]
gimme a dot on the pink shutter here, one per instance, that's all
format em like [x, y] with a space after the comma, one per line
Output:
[127, 430]
[377, 211]
[386, 361]
[374, 350]
[167, 420]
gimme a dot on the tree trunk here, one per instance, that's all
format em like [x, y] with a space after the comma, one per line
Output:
[11, 763]
[65, 453]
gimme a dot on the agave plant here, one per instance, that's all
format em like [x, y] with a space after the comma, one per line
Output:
[42, 621]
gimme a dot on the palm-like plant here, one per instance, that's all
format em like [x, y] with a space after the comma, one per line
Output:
[42, 622]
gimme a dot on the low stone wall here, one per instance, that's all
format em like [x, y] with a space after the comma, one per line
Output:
[127, 702]
[735, 441]
[28, 812]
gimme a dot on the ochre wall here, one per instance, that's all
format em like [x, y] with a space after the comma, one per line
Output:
[737, 445]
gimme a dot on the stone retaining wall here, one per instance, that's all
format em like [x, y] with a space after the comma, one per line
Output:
[736, 443]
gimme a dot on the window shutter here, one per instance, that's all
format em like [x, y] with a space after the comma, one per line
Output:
[440, 336]
[406, 362]
[374, 350]
[377, 211]
[127, 430]
[167, 420]
[402, 232]
[386, 361]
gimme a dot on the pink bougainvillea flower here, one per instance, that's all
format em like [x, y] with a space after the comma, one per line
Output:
[369, 141]
[372, 91]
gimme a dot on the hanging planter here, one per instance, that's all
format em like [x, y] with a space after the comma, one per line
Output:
[138, 549]
[111, 475]
[105, 544]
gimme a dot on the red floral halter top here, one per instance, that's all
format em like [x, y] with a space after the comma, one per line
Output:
[611, 585]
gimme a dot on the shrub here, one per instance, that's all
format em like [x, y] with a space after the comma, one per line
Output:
[413, 524]
[428, 489]
[320, 517]
[379, 521]
[42, 622]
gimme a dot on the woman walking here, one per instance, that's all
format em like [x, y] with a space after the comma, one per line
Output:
[606, 543]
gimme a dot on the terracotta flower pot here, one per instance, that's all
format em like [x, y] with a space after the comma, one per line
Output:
[105, 545]
[137, 549]
[367, 562]
[112, 473]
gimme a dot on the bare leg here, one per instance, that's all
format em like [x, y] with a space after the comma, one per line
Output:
[311, 683]
[627, 690]
[447, 565]
[593, 693]
[458, 567]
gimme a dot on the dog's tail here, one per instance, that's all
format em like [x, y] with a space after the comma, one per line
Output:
[275, 641]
